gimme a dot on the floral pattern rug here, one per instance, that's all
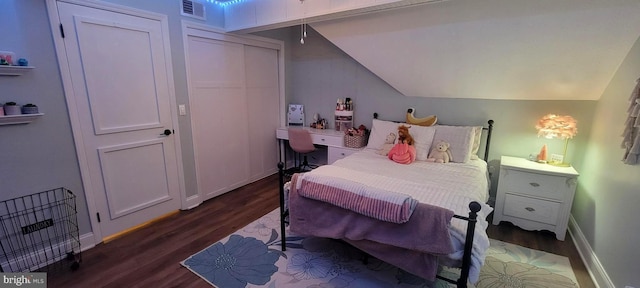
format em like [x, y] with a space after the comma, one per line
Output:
[251, 257]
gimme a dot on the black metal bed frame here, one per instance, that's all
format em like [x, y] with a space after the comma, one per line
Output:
[474, 208]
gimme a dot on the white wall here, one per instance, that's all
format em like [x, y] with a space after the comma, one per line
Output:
[501, 49]
[608, 196]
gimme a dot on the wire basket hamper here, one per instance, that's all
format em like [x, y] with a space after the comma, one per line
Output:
[40, 233]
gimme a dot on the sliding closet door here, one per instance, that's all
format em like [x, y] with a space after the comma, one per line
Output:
[261, 70]
[218, 105]
[235, 100]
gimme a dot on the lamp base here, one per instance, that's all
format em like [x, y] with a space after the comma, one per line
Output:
[559, 164]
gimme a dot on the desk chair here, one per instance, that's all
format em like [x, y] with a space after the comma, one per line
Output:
[300, 141]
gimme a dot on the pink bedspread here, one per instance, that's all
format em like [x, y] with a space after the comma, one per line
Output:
[413, 246]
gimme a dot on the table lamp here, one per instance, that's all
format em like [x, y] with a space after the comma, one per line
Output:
[555, 126]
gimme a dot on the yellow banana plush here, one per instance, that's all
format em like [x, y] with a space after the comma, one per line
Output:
[425, 121]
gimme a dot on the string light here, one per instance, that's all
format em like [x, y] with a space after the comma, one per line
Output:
[225, 3]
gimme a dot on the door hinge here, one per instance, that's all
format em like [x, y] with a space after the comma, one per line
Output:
[61, 30]
[98, 214]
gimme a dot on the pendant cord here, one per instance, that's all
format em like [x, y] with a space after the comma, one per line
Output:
[303, 25]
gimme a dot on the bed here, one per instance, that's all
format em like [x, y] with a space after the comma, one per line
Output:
[414, 216]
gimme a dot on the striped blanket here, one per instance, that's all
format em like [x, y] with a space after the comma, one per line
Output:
[369, 201]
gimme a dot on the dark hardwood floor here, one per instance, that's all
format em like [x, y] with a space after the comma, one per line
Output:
[150, 256]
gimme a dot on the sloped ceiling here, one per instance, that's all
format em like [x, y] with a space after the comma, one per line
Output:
[493, 49]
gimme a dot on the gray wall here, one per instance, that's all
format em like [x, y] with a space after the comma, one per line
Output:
[41, 155]
[606, 205]
[320, 73]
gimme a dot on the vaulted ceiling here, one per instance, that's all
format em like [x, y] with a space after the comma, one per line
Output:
[492, 49]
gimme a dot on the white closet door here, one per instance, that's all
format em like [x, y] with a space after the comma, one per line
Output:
[218, 105]
[263, 95]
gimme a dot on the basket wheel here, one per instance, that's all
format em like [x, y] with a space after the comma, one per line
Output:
[75, 265]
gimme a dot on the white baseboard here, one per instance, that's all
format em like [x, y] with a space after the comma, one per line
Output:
[87, 241]
[192, 202]
[589, 258]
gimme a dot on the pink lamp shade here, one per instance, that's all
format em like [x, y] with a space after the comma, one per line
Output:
[556, 126]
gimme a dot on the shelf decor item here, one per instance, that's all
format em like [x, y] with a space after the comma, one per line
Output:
[555, 126]
[23, 62]
[29, 109]
[11, 108]
[7, 58]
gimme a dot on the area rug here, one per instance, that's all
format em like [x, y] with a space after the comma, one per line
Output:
[251, 257]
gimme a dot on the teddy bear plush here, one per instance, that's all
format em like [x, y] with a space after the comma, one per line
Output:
[388, 144]
[440, 153]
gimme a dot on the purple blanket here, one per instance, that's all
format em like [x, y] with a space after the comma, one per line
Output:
[413, 246]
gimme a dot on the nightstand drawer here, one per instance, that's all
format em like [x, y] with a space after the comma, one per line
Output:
[538, 185]
[531, 209]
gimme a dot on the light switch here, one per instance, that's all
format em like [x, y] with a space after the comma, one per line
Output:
[182, 110]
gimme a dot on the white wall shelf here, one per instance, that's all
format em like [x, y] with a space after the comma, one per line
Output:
[14, 70]
[18, 119]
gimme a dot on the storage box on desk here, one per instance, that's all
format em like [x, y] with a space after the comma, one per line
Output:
[355, 141]
[39, 233]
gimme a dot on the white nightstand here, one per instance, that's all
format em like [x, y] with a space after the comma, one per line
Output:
[535, 196]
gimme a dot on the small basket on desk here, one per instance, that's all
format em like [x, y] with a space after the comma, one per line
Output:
[355, 141]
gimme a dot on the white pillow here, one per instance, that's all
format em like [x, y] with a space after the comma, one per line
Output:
[423, 137]
[459, 137]
[379, 131]
[476, 142]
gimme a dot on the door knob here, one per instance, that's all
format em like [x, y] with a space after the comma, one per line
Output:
[166, 132]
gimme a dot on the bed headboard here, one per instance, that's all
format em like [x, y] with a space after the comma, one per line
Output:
[488, 128]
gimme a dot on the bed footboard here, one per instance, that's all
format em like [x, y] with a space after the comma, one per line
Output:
[283, 212]
[474, 208]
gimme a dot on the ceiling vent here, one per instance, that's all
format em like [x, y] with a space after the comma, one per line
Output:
[193, 9]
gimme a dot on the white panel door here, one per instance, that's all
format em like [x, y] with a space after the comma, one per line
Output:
[121, 94]
[219, 114]
[263, 94]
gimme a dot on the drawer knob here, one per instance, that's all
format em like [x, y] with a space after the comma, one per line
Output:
[534, 184]
[342, 153]
[322, 139]
[529, 209]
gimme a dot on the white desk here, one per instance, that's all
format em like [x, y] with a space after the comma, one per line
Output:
[334, 140]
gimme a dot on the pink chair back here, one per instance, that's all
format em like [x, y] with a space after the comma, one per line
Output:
[300, 140]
